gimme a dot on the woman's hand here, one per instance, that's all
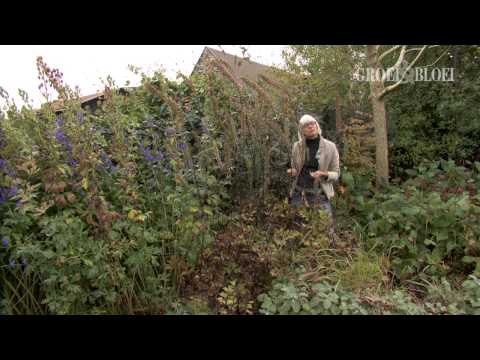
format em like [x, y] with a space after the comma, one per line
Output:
[317, 174]
[292, 172]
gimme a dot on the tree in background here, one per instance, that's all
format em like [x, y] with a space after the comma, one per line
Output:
[404, 59]
[437, 120]
[322, 75]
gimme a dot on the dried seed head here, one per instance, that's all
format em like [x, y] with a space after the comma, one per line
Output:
[71, 197]
[60, 200]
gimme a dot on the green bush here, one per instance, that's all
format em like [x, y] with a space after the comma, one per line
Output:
[471, 288]
[103, 212]
[429, 225]
[292, 298]
[287, 298]
[437, 120]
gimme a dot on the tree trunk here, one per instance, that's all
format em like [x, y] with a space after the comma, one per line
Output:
[381, 140]
[379, 119]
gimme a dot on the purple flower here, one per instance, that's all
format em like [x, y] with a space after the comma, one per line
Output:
[81, 117]
[5, 242]
[170, 131]
[108, 163]
[149, 156]
[104, 157]
[5, 168]
[60, 136]
[13, 264]
[182, 147]
[147, 153]
[63, 139]
[158, 157]
[11, 173]
[7, 193]
[2, 136]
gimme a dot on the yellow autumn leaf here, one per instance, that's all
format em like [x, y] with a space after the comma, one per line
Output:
[133, 214]
[85, 183]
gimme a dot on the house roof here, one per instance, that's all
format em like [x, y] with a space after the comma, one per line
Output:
[241, 67]
[58, 105]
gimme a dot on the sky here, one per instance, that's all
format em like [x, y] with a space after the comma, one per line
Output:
[86, 65]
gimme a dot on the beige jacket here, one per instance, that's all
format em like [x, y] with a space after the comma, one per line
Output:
[328, 160]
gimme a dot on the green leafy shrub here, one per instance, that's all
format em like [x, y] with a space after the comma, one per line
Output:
[106, 211]
[190, 306]
[437, 120]
[288, 298]
[471, 288]
[422, 226]
[400, 303]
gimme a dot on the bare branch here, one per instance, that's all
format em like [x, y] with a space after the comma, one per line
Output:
[414, 49]
[438, 59]
[380, 58]
[416, 59]
[397, 64]
[394, 86]
[374, 52]
[400, 57]
[420, 49]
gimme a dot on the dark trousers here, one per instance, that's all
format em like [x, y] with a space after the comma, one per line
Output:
[313, 200]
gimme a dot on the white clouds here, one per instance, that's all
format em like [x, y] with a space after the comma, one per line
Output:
[84, 65]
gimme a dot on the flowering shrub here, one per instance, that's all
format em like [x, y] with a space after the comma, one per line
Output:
[101, 212]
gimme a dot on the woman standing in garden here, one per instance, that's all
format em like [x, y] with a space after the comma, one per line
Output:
[315, 166]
